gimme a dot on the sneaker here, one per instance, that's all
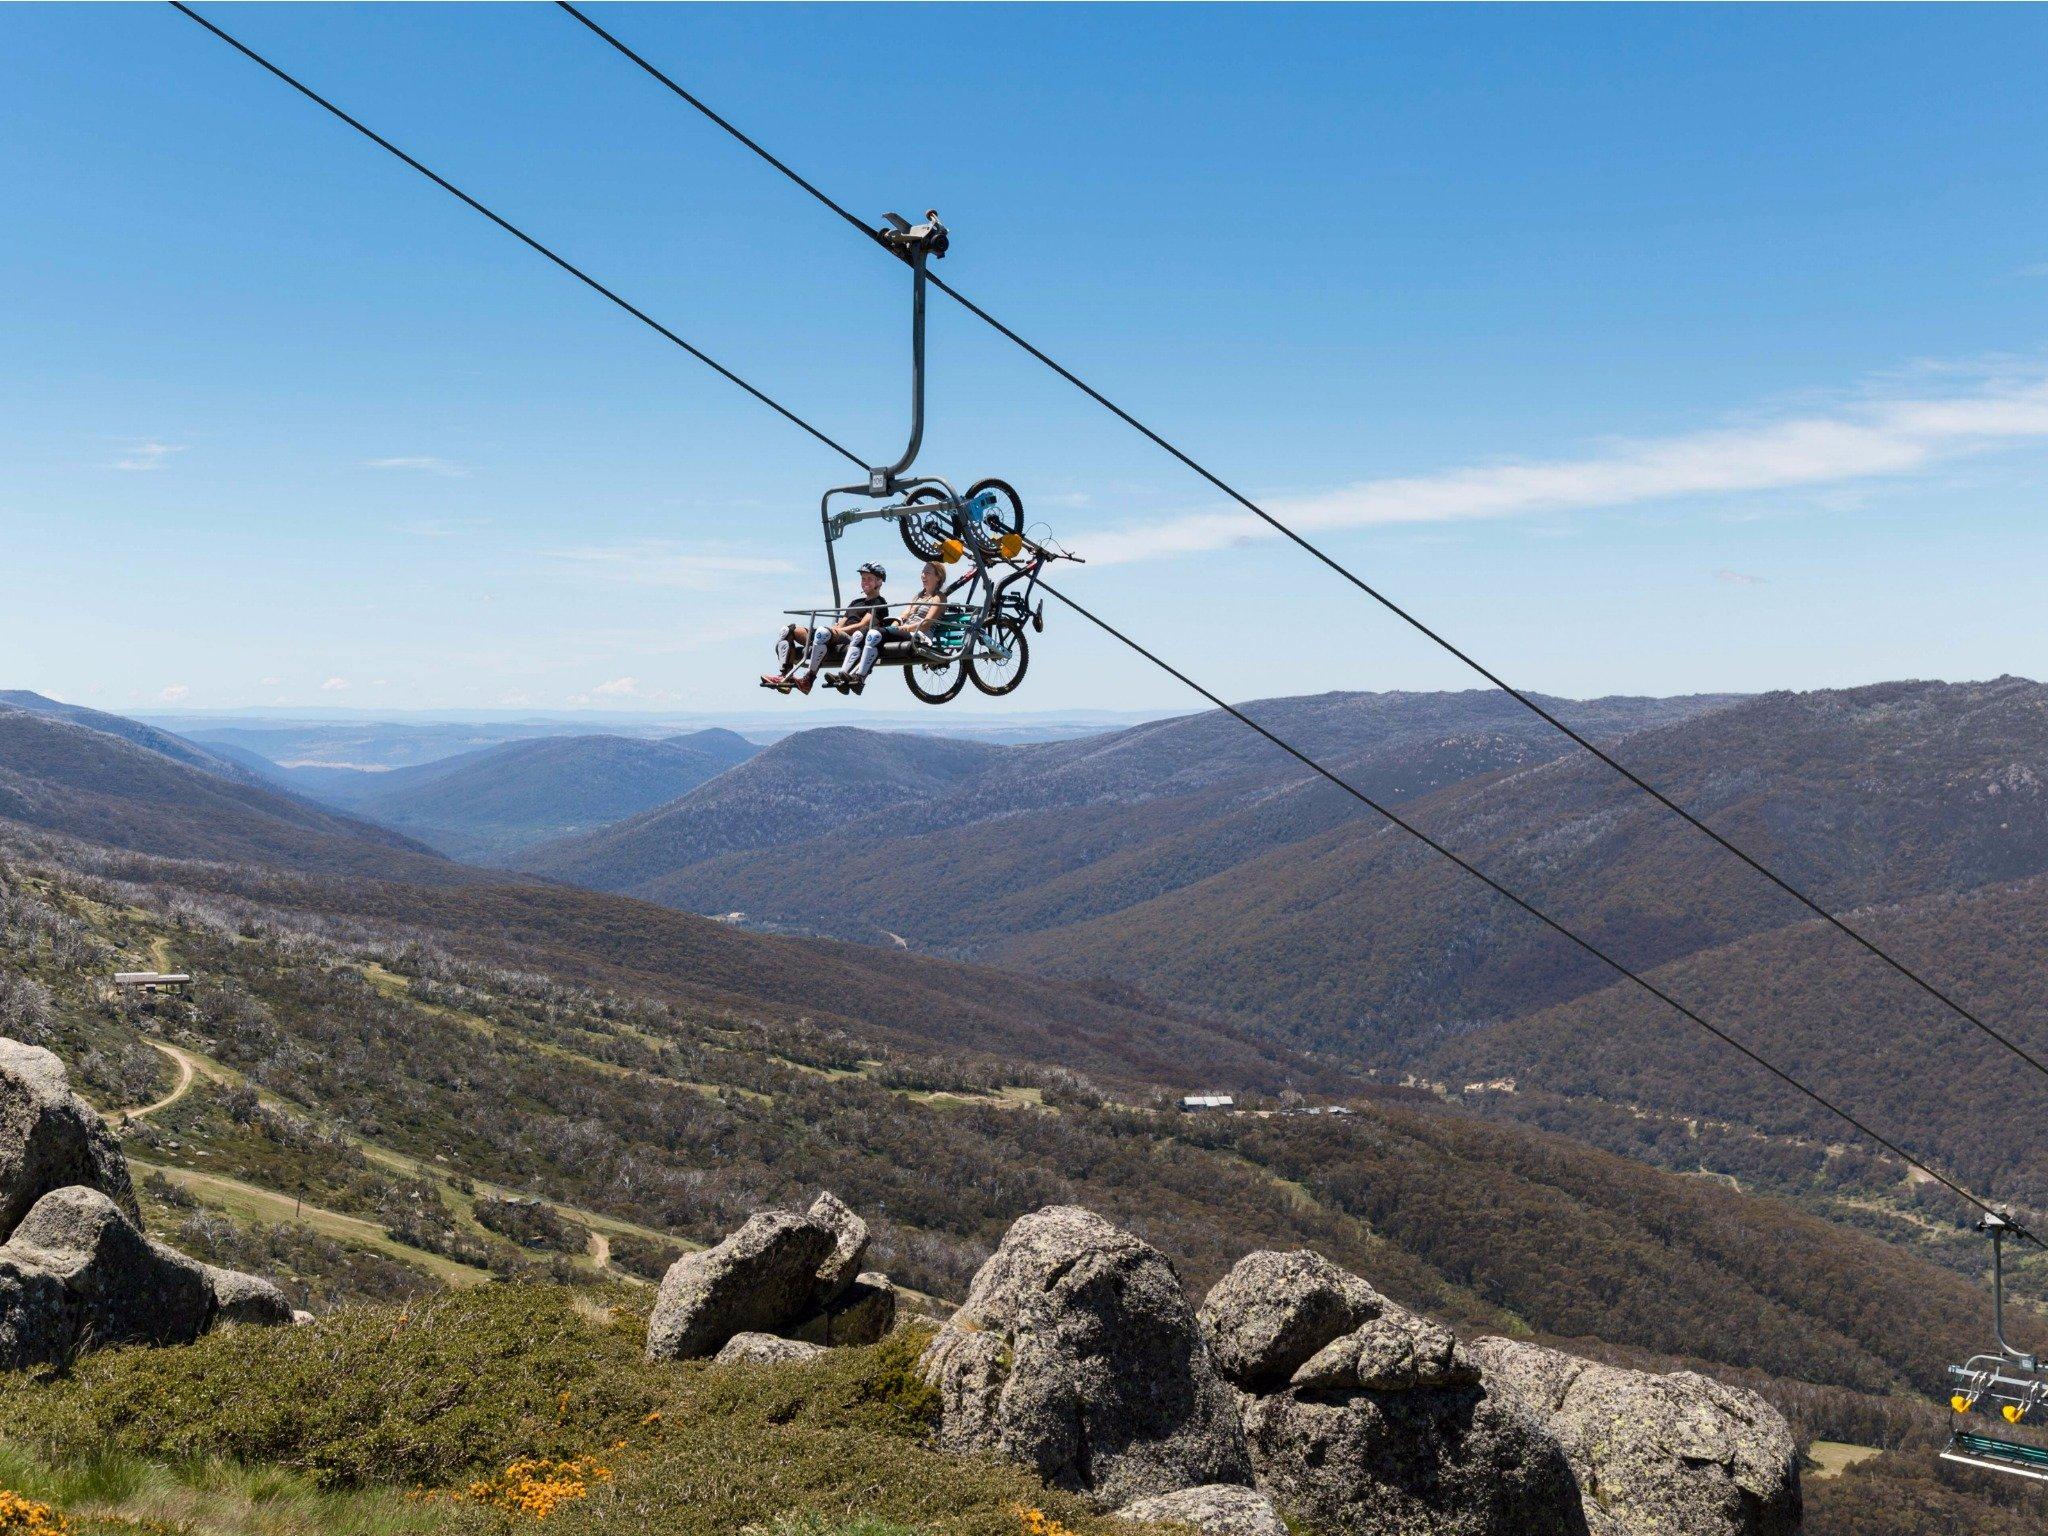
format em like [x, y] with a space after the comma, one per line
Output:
[773, 680]
[803, 684]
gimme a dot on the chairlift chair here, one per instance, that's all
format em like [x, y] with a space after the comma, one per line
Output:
[981, 634]
[2010, 1382]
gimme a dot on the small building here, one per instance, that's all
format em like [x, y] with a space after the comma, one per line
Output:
[1200, 1101]
[150, 982]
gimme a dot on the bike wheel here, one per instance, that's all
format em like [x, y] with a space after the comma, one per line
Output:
[935, 684]
[995, 673]
[922, 534]
[1007, 517]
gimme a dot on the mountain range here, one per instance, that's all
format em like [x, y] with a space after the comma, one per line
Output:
[1191, 861]
[484, 805]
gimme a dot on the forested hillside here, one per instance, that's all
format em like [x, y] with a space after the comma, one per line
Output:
[1856, 1030]
[817, 830]
[178, 749]
[483, 806]
[317, 1035]
[1359, 941]
[77, 779]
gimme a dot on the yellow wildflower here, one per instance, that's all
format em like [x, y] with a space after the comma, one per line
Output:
[23, 1516]
[1038, 1523]
[536, 1486]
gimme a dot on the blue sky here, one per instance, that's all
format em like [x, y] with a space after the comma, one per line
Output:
[1640, 350]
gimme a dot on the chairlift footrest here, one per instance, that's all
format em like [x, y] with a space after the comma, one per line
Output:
[1996, 1455]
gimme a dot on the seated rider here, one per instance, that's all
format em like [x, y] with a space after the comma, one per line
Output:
[812, 643]
[919, 616]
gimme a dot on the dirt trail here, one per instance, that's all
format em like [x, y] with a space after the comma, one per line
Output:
[194, 1066]
[187, 1070]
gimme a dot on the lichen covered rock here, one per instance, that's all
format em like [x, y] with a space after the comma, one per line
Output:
[1396, 1352]
[1217, 1509]
[78, 1274]
[247, 1299]
[1449, 1461]
[759, 1279]
[1656, 1455]
[849, 1247]
[1271, 1314]
[1077, 1354]
[50, 1138]
[765, 1349]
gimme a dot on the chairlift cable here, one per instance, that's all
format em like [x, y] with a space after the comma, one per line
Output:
[1527, 701]
[1235, 713]
[514, 230]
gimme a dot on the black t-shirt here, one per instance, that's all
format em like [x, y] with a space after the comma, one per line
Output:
[860, 605]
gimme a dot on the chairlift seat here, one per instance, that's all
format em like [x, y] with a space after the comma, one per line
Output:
[1995, 1455]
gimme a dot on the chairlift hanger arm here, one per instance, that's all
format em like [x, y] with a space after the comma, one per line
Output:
[916, 244]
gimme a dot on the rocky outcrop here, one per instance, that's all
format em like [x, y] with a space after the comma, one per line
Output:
[765, 1349]
[1078, 1355]
[1676, 1455]
[76, 1271]
[247, 1299]
[77, 1274]
[1219, 1509]
[783, 1274]
[757, 1279]
[1366, 1418]
[1452, 1461]
[861, 1314]
[1274, 1311]
[1398, 1352]
[50, 1138]
[849, 1247]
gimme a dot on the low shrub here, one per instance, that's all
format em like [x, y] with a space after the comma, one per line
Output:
[497, 1406]
[443, 1389]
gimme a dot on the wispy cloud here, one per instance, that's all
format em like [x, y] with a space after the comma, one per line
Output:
[657, 563]
[624, 690]
[424, 463]
[147, 455]
[335, 685]
[173, 692]
[443, 527]
[1741, 578]
[1861, 441]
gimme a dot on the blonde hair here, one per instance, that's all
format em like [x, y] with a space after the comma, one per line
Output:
[934, 575]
